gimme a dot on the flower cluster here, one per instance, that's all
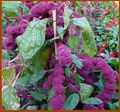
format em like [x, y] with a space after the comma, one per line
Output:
[91, 63]
[41, 10]
[74, 87]
[12, 32]
[29, 4]
[64, 54]
[56, 80]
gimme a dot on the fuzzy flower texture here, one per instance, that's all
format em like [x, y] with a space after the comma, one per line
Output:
[56, 80]
[90, 64]
[64, 55]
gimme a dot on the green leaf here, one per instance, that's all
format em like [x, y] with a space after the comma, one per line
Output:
[78, 5]
[50, 107]
[60, 31]
[66, 17]
[116, 95]
[5, 55]
[50, 93]
[11, 8]
[31, 77]
[91, 100]
[10, 100]
[25, 76]
[114, 62]
[73, 42]
[77, 61]
[71, 101]
[113, 106]
[117, 104]
[37, 76]
[85, 91]
[37, 95]
[68, 71]
[88, 39]
[8, 75]
[25, 9]
[99, 84]
[24, 79]
[78, 79]
[41, 57]
[44, 107]
[32, 39]
[67, 20]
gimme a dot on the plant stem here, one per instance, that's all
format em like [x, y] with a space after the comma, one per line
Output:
[55, 27]
[16, 79]
[53, 39]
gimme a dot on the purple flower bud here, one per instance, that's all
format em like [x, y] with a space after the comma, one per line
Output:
[58, 80]
[46, 85]
[64, 55]
[90, 107]
[72, 87]
[55, 104]
[49, 32]
[59, 89]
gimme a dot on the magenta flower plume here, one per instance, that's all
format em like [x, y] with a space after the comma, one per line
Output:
[64, 55]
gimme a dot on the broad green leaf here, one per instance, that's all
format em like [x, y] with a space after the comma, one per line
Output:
[67, 17]
[73, 42]
[5, 55]
[11, 8]
[50, 93]
[77, 61]
[10, 100]
[61, 31]
[88, 39]
[85, 91]
[116, 96]
[71, 101]
[44, 107]
[37, 76]
[24, 79]
[41, 57]
[32, 39]
[68, 71]
[78, 79]
[50, 107]
[78, 5]
[37, 95]
[92, 100]
[25, 9]
[115, 62]
[25, 76]
[99, 84]
[113, 106]
[31, 77]
[8, 75]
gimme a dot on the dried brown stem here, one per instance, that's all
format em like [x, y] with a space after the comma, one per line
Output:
[55, 29]
[18, 75]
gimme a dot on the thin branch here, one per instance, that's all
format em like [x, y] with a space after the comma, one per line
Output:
[53, 39]
[55, 29]
[18, 75]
